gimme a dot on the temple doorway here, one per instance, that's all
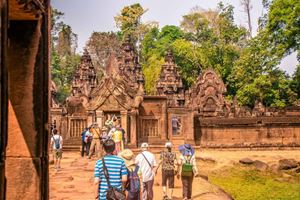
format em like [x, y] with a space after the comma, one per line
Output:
[112, 114]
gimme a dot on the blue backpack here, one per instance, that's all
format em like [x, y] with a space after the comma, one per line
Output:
[133, 185]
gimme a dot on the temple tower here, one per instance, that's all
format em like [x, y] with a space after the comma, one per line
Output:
[170, 82]
[85, 77]
[129, 66]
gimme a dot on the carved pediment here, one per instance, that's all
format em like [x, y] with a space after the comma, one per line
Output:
[114, 94]
[208, 93]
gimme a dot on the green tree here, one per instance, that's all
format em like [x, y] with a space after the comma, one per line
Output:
[283, 26]
[129, 22]
[100, 46]
[154, 47]
[216, 41]
[63, 57]
[295, 84]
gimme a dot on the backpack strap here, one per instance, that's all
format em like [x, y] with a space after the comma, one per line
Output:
[56, 139]
[106, 173]
[188, 161]
[147, 160]
[136, 169]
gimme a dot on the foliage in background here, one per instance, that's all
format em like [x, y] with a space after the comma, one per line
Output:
[204, 39]
[129, 22]
[63, 56]
[100, 46]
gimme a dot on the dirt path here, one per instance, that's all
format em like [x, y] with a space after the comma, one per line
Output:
[75, 182]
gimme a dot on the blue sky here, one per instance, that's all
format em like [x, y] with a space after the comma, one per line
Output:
[86, 16]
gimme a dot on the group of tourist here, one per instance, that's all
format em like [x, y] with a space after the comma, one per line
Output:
[93, 138]
[124, 176]
[119, 174]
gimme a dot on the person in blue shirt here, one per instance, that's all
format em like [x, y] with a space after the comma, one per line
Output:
[84, 142]
[116, 168]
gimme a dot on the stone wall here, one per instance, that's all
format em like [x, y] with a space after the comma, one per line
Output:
[153, 110]
[251, 132]
[3, 93]
[27, 143]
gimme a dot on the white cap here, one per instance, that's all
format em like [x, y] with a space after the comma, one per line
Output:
[168, 144]
[144, 145]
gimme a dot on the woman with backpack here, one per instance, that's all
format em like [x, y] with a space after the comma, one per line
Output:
[187, 170]
[168, 161]
[133, 181]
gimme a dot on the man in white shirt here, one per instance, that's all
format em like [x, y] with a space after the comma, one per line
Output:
[56, 144]
[147, 163]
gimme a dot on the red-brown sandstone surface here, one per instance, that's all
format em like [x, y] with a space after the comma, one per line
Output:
[75, 179]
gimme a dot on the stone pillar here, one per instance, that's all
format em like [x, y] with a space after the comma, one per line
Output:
[27, 148]
[133, 126]
[189, 127]
[164, 122]
[90, 118]
[3, 92]
[100, 118]
[124, 123]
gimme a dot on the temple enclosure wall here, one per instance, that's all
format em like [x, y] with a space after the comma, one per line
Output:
[256, 132]
[24, 99]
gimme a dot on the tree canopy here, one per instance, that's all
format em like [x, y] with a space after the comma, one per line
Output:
[249, 66]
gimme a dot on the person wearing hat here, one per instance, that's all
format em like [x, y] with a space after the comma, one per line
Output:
[187, 170]
[168, 161]
[133, 185]
[147, 162]
[96, 143]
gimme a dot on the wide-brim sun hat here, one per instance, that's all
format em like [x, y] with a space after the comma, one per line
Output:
[128, 156]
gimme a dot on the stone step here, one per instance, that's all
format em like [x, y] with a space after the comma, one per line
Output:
[73, 148]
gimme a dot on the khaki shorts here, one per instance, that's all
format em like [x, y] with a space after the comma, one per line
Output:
[57, 153]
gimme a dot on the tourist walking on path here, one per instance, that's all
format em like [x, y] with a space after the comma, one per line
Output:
[146, 161]
[133, 186]
[168, 161]
[116, 171]
[83, 142]
[56, 144]
[187, 170]
[96, 144]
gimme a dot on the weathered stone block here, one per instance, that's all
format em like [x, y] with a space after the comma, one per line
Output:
[23, 178]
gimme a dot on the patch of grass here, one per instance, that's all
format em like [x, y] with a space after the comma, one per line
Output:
[245, 183]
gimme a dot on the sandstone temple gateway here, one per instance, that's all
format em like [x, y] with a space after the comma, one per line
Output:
[200, 115]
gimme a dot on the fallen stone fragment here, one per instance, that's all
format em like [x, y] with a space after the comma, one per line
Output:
[246, 161]
[286, 164]
[207, 159]
[274, 168]
[202, 176]
[260, 166]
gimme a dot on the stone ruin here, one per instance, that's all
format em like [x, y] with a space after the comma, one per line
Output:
[25, 86]
[200, 115]
[170, 82]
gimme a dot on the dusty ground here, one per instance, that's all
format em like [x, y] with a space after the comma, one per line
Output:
[75, 179]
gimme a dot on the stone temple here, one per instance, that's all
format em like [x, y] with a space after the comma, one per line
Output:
[200, 115]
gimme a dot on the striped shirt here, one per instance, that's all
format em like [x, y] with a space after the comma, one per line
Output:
[116, 169]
